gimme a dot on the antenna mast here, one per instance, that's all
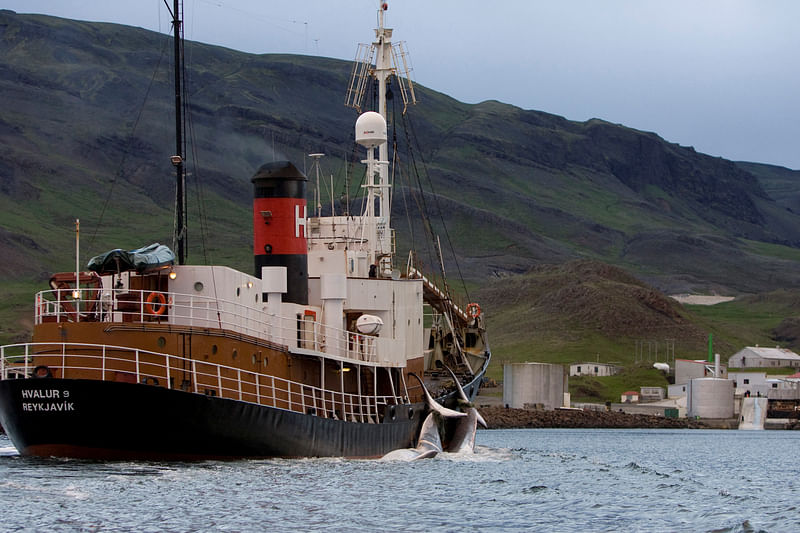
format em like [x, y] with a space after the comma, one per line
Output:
[179, 157]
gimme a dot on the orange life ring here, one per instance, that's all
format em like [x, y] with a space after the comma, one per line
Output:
[156, 304]
[474, 310]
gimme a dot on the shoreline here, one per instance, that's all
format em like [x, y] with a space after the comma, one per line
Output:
[498, 417]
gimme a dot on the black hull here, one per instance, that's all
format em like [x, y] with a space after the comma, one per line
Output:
[108, 420]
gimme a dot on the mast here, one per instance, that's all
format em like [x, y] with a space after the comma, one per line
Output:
[389, 60]
[178, 158]
[383, 70]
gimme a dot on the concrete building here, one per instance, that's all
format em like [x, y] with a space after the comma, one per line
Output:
[534, 384]
[760, 384]
[651, 394]
[677, 390]
[759, 357]
[593, 369]
[688, 369]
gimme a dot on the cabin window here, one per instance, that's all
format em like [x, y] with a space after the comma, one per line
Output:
[198, 286]
[235, 353]
[238, 291]
[774, 385]
[746, 381]
[214, 349]
[254, 359]
[161, 342]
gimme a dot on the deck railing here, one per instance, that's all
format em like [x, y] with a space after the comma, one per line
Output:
[302, 331]
[118, 363]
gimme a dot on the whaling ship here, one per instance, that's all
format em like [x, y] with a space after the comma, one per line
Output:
[143, 356]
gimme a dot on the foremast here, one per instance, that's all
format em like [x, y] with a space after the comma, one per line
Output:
[389, 62]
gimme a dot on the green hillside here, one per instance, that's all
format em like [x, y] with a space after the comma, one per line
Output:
[86, 132]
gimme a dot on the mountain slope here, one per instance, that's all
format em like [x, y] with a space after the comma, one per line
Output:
[86, 132]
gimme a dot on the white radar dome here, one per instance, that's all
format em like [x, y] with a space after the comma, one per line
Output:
[370, 129]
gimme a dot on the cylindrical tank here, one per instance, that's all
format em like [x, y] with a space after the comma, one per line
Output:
[709, 398]
[279, 225]
[528, 384]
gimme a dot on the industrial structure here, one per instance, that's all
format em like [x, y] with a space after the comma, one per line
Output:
[541, 385]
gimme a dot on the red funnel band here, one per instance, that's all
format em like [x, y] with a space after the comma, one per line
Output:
[279, 226]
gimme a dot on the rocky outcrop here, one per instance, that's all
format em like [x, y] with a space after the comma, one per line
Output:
[507, 418]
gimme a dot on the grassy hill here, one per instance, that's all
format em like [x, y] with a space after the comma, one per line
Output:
[86, 132]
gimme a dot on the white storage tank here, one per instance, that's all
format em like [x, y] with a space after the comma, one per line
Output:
[709, 398]
[529, 384]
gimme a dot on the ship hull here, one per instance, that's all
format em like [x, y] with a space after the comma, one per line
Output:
[109, 420]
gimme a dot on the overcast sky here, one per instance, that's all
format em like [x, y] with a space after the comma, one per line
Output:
[719, 75]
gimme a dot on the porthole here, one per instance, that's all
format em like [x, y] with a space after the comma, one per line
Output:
[198, 286]
[266, 361]
[214, 349]
[254, 359]
[411, 413]
[238, 291]
[235, 353]
[161, 342]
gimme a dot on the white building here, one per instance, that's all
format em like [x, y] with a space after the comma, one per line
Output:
[766, 386]
[759, 357]
[593, 369]
[687, 369]
[630, 396]
[651, 394]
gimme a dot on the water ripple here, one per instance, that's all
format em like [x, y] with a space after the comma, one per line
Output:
[551, 480]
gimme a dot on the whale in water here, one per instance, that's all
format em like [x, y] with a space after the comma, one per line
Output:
[428, 444]
[460, 438]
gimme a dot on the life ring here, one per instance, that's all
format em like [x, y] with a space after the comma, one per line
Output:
[42, 371]
[474, 310]
[156, 304]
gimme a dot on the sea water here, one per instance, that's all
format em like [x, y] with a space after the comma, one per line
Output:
[519, 480]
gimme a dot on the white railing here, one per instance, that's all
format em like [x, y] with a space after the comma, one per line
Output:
[122, 364]
[202, 311]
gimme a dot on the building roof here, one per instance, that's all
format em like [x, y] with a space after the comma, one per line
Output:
[631, 393]
[772, 353]
[590, 364]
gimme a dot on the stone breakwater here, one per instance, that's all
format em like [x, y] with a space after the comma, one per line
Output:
[507, 418]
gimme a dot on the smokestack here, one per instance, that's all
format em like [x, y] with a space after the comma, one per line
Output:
[279, 225]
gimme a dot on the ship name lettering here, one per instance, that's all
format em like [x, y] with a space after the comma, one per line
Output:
[48, 407]
[46, 394]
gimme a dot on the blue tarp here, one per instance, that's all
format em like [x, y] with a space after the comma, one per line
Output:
[142, 260]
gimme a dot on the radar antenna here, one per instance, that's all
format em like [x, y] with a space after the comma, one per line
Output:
[392, 60]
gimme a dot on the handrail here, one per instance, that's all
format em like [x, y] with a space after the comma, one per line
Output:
[120, 363]
[206, 312]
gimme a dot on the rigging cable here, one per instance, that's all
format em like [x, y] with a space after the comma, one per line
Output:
[119, 173]
[436, 201]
